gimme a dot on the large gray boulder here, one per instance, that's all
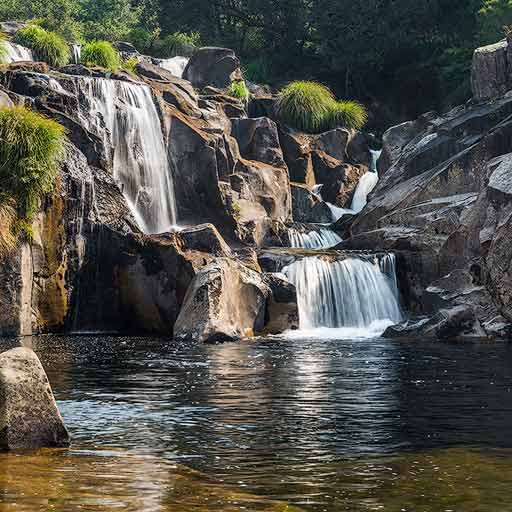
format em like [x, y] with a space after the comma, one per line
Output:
[212, 66]
[225, 302]
[29, 416]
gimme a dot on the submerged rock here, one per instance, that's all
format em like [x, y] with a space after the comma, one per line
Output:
[29, 416]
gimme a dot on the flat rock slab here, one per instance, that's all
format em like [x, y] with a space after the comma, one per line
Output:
[29, 416]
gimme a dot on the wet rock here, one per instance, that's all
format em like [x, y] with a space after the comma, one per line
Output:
[29, 416]
[212, 66]
[282, 309]
[225, 302]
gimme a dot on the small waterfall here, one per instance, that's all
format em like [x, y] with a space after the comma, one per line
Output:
[352, 293]
[125, 116]
[17, 53]
[388, 266]
[176, 65]
[76, 53]
[315, 239]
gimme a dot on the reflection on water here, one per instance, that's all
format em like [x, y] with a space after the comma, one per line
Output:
[314, 425]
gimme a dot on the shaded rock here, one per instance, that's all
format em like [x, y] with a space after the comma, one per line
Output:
[303, 201]
[11, 27]
[258, 140]
[282, 309]
[340, 187]
[358, 149]
[212, 66]
[205, 238]
[226, 301]
[29, 416]
[334, 143]
[296, 149]
[126, 49]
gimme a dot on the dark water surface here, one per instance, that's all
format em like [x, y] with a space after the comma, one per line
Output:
[362, 425]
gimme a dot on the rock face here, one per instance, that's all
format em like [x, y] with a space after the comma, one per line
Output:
[212, 66]
[444, 204]
[225, 302]
[29, 416]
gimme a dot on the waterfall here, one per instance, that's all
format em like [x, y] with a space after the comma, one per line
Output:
[315, 239]
[388, 266]
[76, 53]
[353, 295]
[176, 65]
[125, 116]
[17, 53]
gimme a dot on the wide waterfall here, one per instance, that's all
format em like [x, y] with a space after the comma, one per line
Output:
[124, 114]
[322, 238]
[176, 65]
[17, 53]
[353, 296]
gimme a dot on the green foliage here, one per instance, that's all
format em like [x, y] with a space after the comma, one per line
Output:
[130, 65]
[31, 149]
[101, 53]
[47, 46]
[349, 114]
[178, 44]
[493, 16]
[239, 90]
[257, 70]
[7, 223]
[305, 105]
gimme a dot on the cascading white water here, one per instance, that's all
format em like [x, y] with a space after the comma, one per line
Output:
[388, 267]
[176, 65]
[124, 114]
[350, 294]
[17, 53]
[76, 53]
[316, 239]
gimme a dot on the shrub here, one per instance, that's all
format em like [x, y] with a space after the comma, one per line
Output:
[101, 53]
[47, 46]
[238, 90]
[257, 70]
[349, 114]
[312, 107]
[305, 105]
[3, 49]
[130, 64]
[31, 149]
[178, 44]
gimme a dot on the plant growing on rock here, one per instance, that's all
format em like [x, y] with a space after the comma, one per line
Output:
[31, 149]
[178, 44]
[47, 46]
[313, 108]
[130, 64]
[101, 53]
[239, 90]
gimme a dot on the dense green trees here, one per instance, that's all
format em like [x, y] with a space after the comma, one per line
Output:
[398, 56]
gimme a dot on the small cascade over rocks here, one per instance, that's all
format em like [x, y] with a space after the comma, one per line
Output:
[176, 65]
[17, 53]
[351, 297]
[322, 238]
[76, 53]
[125, 116]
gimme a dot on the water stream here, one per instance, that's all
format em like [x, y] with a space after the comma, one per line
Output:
[17, 53]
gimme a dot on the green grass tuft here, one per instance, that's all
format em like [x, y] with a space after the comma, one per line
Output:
[47, 46]
[101, 53]
[238, 90]
[305, 105]
[349, 114]
[178, 44]
[131, 65]
[31, 149]
[311, 107]
[3, 48]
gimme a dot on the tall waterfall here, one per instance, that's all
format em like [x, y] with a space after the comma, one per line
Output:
[176, 65]
[76, 53]
[17, 53]
[317, 239]
[124, 114]
[351, 294]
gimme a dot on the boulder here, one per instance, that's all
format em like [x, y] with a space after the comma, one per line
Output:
[258, 140]
[5, 101]
[296, 149]
[282, 309]
[11, 27]
[334, 143]
[204, 238]
[212, 66]
[225, 302]
[29, 416]
[303, 201]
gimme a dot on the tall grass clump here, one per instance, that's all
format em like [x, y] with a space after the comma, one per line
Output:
[7, 224]
[178, 44]
[312, 107]
[101, 53]
[31, 149]
[47, 46]
[349, 114]
[238, 90]
[305, 105]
